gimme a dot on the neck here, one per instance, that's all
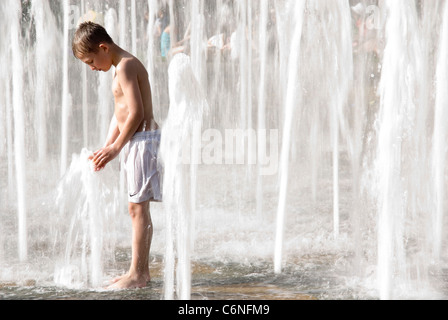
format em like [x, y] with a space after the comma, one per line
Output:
[117, 54]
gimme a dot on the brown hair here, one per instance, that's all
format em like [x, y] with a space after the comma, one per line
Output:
[88, 38]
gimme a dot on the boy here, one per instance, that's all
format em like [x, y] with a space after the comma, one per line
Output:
[134, 131]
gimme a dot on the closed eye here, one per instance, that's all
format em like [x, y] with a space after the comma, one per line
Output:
[89, 62]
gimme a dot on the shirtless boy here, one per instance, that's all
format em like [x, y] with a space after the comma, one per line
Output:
[133, 131]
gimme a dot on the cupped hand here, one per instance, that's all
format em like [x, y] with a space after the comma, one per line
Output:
[103, 156]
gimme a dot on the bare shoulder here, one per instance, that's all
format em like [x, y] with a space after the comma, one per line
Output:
[130, 68]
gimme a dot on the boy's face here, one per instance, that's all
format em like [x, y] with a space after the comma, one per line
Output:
[100, 61]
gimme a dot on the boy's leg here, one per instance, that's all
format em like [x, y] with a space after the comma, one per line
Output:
[138, 275]
[141, 238]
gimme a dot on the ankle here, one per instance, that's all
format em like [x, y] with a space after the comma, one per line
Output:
[137, 274]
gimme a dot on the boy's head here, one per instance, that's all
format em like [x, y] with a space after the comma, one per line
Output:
[90, 44]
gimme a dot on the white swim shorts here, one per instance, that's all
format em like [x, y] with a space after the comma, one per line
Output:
[144, 172]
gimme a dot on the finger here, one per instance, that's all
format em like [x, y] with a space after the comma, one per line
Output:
[98, 157]
[102, 161]
[99, 168]
[102, 157]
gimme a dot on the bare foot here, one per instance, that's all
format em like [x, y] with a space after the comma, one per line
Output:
[129, 282]
[115, 280]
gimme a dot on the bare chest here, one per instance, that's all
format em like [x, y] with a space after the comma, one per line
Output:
[116, 90]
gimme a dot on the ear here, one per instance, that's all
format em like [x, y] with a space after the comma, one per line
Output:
[105, 47]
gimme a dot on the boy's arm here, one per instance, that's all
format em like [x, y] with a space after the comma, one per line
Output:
[127, 77]
[112, 135]
[113, 132]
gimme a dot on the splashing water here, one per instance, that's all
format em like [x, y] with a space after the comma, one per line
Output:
[88, 208]
[178, 149]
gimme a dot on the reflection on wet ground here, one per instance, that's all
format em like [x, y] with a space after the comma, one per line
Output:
[210, 281]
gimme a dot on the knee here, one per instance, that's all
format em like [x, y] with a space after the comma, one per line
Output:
[137, 210]
[134, 210]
